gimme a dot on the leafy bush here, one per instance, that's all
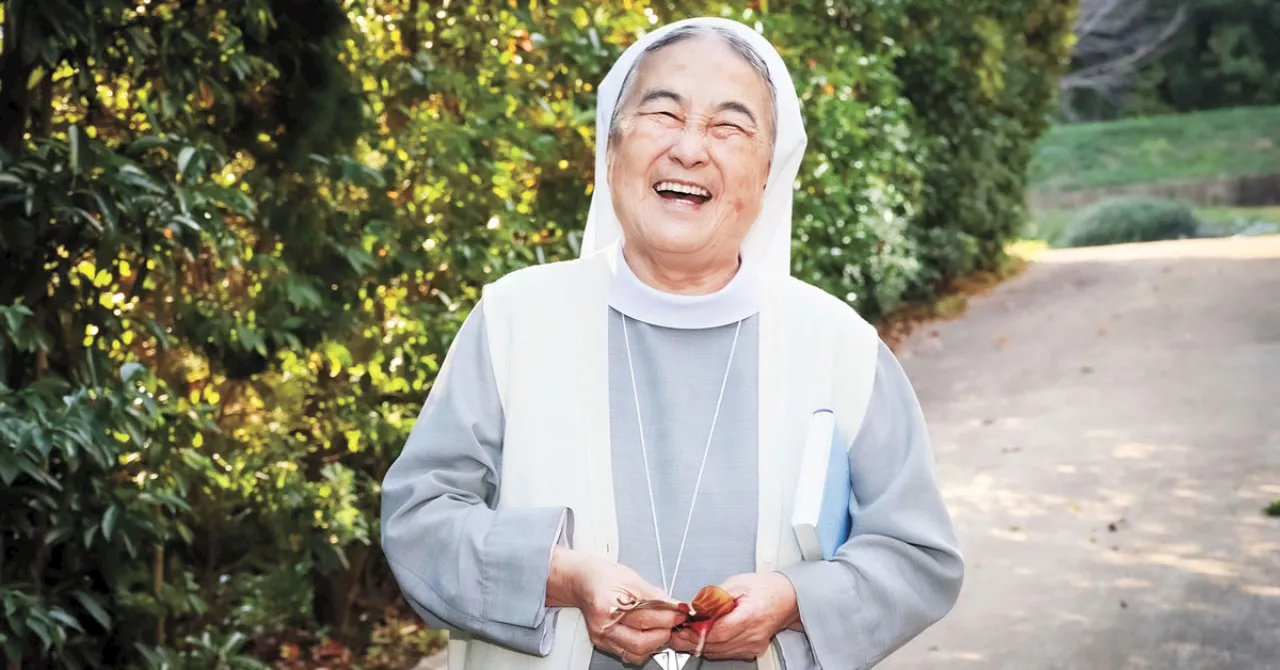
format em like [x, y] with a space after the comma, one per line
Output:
[208, 651]
[142, 287]
[860, 184]
[981, 77]
[1130, 219]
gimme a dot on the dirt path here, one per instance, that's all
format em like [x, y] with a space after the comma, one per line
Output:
[1107, 429]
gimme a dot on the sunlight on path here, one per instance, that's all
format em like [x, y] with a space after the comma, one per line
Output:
[1107, 431]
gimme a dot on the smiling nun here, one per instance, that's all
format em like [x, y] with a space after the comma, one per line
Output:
[629, 424]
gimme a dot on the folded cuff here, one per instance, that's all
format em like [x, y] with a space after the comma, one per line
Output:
[824, 591]
[516, 564]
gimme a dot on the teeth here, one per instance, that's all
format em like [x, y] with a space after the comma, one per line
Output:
[677, 187]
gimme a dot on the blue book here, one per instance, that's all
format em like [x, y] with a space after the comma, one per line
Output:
[820, 515]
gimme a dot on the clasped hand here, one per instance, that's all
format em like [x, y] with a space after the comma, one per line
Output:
[766, 604]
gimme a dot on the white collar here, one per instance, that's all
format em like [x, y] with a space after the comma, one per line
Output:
[739, 299]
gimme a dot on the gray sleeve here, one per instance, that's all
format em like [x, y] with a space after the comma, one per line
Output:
[901, 570]
[461, 563]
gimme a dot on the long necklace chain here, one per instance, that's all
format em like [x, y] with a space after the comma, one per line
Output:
[644, 452]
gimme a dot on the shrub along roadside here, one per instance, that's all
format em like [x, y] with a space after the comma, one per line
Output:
[1049, 226]
[1131, 219]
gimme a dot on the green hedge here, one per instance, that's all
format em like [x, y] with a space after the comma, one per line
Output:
[981, 76]
[239, 237]
[1130, 219]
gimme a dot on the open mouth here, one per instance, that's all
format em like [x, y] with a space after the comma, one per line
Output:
[682, 192]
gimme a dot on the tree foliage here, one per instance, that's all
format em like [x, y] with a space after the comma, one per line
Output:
[1226, 55]
[239, 236]
[1175, 56]
[981, 77]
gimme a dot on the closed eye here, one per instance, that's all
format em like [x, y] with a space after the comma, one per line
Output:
[727, 130]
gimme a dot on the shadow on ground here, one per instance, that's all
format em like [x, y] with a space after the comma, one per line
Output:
[1107, 429]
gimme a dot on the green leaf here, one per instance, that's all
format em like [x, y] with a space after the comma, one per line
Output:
[109, 521]
[77, 213]
[131, 371]
[105, 212]
[8, 470]
[170, 501]
[99, 453]
[15, 315]
[252, 340]
[233, 643]
[135, 433]
[42, 442]
[65, 619]
[234, 199]
[303, 295]
[34, 471]
[94, 608]
[184, 159]
[41, 629]
[158, 453]
[57, 535]
[141, 144]
[186, 220]
[134, 176]
[34, 79]
[162, 338]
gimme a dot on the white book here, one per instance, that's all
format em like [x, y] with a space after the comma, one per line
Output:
[820, 515]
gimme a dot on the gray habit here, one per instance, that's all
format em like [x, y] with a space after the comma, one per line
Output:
[464, 565]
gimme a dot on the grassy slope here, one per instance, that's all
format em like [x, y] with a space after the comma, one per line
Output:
[1240, 141]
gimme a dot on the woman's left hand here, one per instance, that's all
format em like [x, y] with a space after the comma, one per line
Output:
[766, 605]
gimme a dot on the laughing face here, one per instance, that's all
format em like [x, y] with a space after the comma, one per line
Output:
[690, 158]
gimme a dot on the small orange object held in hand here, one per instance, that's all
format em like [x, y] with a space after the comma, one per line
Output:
[711, 603]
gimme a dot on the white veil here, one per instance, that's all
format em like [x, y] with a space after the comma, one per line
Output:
[767, 248]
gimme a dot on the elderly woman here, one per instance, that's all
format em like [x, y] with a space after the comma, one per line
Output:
[630, 424]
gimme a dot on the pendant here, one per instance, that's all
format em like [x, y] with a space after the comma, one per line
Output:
[670, 660]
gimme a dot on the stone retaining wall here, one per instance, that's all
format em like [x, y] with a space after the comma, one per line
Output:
[1253, 191]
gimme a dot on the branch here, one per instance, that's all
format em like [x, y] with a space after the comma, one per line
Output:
[412, 41]
[1114, 39]
[14, 96]
[1124, 65]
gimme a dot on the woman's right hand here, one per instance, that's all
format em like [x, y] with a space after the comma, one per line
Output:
[596, 585]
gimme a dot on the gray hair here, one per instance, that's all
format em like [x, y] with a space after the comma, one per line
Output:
[735, 42]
